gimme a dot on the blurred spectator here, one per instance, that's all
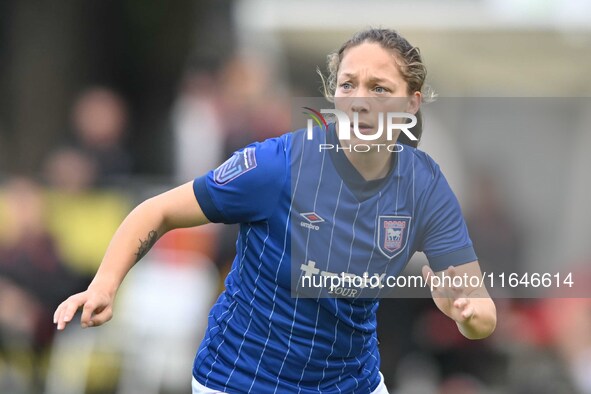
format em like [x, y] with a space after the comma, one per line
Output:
[251, 103]
[33, 280]
[498, 241]
[100, 120]
[197, 126]
[70, 170]
[80, 216]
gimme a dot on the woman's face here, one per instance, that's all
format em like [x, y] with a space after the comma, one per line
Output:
[369, 83]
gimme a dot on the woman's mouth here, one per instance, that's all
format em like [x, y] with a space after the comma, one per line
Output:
[362, 128]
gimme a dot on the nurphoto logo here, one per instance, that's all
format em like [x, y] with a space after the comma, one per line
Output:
[393, 121]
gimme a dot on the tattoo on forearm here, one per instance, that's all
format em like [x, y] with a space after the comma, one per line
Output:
[146, 245]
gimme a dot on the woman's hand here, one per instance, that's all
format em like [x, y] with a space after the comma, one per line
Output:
[470, 307]
[453, 301]
[96, 304]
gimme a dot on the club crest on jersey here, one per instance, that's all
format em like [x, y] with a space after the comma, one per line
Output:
[239, 164]
[392, 234]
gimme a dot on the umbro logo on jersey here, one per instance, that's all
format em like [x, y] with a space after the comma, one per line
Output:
[311, 219]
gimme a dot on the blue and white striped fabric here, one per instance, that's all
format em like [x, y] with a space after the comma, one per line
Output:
[308, 213]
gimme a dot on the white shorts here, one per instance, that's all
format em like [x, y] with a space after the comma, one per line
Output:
[198, 388]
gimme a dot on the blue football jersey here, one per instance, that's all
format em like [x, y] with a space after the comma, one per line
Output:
[306, 214]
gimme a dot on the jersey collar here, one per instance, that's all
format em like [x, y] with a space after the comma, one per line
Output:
[361, 188]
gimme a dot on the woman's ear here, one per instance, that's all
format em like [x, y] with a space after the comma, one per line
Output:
[414, 103]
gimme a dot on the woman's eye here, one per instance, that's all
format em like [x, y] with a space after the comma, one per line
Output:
[379, 89]
[346, 86]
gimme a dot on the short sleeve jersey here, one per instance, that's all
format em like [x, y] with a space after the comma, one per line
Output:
[305, 212]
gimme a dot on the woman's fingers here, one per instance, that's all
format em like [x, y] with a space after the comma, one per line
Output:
[450, 293]
[96, 310]
[101, 317]
[65, 312]
[461, 303]
[87, 313]
[455, 285]
[95, 313]
[464, 307]
[468, 312]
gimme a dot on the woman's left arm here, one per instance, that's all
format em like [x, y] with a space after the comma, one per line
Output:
[469, 306]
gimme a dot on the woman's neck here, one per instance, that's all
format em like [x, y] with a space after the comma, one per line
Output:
[370, 165]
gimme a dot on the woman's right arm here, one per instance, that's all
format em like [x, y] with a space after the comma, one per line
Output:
[133, 239]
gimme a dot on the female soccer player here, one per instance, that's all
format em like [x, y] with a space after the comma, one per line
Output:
[309, 213]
